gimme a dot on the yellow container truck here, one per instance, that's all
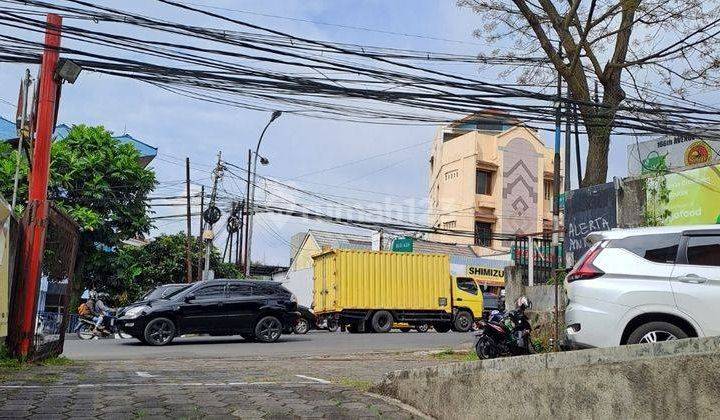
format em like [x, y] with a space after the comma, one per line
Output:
[371, 290]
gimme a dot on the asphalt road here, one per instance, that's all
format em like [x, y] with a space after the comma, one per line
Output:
[315, 343]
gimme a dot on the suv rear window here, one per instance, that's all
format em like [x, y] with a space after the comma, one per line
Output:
[659, 248]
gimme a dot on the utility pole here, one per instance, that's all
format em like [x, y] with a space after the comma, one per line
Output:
[568, 149]
[556, 196]
[23, 127]
[34, 241]
[239, 236]
[230, 236]
[188, 236]
[577, 145]
[213, 216]
[247, 218]
[200, 231]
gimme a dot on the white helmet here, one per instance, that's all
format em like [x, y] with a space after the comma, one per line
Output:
[523, 303]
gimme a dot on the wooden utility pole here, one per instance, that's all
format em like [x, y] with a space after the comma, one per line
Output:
[34, 241]
[188, 236]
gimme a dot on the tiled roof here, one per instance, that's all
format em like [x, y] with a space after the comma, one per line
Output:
[7, 130]
[427, 247]
[350, 241]
[147, 152]
[62, 130]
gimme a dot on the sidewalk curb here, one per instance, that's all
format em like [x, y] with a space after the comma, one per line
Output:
[410, 409]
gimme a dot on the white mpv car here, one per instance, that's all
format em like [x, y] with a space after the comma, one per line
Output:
[645, 285]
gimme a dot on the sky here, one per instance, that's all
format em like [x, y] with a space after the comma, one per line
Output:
[392, 172]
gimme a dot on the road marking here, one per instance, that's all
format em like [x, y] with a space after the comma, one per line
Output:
[144, 375]
[169, 384]
[322, 381]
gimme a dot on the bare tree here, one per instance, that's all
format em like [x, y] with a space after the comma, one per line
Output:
[674, 42]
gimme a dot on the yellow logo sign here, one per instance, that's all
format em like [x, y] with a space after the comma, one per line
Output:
[487, 275]
[698, 152]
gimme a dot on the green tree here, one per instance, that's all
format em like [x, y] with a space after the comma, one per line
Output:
[100, 183]
[162, 261]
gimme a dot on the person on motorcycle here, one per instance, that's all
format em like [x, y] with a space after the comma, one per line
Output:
[518, 318]
[99, 310]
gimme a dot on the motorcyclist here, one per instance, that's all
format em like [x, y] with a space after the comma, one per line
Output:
[99, 310]
[519, 320]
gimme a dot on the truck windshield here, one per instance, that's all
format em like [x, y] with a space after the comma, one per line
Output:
[467, 285]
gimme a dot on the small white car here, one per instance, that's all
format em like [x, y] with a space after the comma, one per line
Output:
[645, 285]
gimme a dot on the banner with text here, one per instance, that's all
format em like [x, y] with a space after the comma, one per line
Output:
[694, 196]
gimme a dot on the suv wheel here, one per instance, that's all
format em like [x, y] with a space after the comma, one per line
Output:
[159, 332]
[382, 321]
[302, 326]
[268, 329]
[653, 332]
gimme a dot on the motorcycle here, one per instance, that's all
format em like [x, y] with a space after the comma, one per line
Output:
[85, 328]
[505, 334]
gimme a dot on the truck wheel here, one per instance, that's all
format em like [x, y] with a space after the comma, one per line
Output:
[441, 328]
[463, 321]
[422, 328]
[332, 325]
[382, 321]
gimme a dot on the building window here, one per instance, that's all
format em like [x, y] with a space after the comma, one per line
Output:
[432, 163]
[483, 233]
[548, 190]
[483, 182]
[449, 225]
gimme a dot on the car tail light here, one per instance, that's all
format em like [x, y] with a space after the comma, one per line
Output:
[585, 269]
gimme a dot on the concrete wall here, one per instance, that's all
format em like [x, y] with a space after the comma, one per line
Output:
[661, 380]
[541, 296]
[631, 203]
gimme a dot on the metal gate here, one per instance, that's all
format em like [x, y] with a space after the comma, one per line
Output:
[545, 258]
[50, 305]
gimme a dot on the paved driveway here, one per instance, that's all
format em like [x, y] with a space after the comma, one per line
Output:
[319, 375]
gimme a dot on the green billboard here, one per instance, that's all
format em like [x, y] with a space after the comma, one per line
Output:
[694, 196]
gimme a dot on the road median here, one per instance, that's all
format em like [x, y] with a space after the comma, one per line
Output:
[668, 379]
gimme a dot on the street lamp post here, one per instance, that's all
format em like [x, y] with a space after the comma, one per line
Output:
[251, 199]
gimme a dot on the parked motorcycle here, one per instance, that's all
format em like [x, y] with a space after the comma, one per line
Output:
[85, 328]
[505, 334]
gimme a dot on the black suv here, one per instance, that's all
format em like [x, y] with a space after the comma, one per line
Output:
[257, 310]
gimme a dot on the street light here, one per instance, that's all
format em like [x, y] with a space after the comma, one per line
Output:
[251, 199]
[67, 70]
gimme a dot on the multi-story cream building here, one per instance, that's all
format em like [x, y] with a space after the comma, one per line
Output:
[490, 174]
